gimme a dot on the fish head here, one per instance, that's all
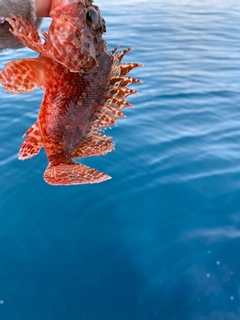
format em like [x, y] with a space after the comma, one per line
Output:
[75, 34]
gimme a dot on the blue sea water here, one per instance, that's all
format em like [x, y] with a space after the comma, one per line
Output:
[161, 239]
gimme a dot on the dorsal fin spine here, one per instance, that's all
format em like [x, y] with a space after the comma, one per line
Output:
[123, 81]
[119, 56]
[112, 112]
[118, 91]
[121, 92]
[118, 103]
[124, 68]
[105, 118]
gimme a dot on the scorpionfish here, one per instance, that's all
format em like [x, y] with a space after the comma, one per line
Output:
[85, 88]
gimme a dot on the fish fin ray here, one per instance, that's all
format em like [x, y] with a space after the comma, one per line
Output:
[121, 70]
[123, 81]
[108, 113]
[26, 33]
[73, 173]
[44, 34]
[32, 144]
[118, 91]
[115, 99]
[21, 76]
[93, 145]
[119, 55]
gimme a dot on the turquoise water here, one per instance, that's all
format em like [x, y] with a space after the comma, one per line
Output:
[161, 239]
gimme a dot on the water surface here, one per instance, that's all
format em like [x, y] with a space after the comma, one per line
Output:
[161, 239]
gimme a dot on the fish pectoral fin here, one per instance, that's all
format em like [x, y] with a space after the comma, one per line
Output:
[21, 76]
[26, 33]
[73, 173]
[93, 145]
[32, 144]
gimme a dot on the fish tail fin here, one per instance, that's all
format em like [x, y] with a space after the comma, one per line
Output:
[73, 173]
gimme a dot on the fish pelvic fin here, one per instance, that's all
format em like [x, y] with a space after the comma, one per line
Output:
[32, 144]
[72, 174]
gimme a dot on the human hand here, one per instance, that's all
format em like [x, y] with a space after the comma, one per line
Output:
[25, 8]
[43, 7]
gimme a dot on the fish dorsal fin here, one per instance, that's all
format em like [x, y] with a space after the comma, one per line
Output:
[123, 81]
[121, 92]
[124, 68]
[117, 103]
[32, 144]
[119, 55]
[110, 110]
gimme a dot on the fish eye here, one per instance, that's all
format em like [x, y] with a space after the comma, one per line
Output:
[92, 16]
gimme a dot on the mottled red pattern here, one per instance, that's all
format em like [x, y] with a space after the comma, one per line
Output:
[85, 89]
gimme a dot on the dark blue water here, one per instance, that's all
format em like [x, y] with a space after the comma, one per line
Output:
[161, 240]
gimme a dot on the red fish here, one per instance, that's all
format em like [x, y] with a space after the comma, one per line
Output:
[85, 89]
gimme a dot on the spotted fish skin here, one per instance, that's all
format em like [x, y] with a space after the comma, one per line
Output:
[85, 89]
